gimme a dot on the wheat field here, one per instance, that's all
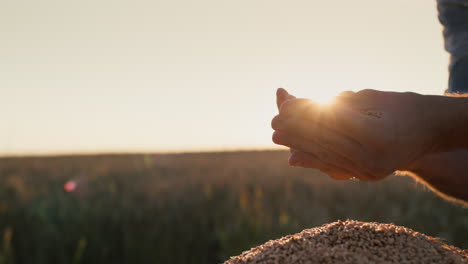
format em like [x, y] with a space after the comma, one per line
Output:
[192, 207]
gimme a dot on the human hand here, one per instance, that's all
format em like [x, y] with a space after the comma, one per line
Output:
[366, 135]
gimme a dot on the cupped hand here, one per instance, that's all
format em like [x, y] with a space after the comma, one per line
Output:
[366, 135]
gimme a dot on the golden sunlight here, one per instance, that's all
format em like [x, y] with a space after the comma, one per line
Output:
[323, 97]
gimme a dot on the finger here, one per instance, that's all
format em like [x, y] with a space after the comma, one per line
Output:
[361, 100]
[368, 101]
[338, 117]
[365, 93]
[346, 93]
[295, 107]
[322, 154]
[310, 147]
[327, 138]
[282, 96]
[307, 160]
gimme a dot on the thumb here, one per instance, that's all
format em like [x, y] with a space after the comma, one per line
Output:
[282, 96]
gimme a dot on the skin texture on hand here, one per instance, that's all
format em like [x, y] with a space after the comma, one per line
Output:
[344, 141]
[446, 173]
[306, 160]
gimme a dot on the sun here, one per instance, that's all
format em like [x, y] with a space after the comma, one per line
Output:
[324, 97]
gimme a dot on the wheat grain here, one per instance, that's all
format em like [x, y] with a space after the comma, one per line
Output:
[354, 242]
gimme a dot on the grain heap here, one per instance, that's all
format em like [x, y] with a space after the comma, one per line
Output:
[354, 242]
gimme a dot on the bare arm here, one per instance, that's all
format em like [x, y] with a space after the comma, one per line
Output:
[445, 173]
[455, 132]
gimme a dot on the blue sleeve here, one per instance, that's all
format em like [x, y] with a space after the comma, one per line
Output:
[453, 15]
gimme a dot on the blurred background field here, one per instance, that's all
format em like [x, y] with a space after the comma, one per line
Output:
[191, 208]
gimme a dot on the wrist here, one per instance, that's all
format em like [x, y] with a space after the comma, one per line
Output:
[451, 123]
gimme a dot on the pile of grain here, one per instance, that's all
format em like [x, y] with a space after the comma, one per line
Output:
[354, 242]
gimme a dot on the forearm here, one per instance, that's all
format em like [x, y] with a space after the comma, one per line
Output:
[450, 122]
[445, 169]
[446, 173]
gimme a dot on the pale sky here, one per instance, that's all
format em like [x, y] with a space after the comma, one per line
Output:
[175, 75]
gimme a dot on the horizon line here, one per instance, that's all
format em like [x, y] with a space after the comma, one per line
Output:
[34, 154]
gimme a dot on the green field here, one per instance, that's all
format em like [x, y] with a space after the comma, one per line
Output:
[191, 208]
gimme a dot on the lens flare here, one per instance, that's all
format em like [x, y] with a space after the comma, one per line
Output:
[70, 186]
